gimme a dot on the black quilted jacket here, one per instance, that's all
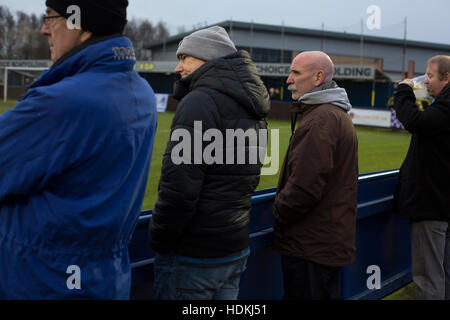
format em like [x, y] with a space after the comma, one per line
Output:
[423, 190]
[203, 209]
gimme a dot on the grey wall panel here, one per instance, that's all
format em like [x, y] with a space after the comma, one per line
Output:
[390, 51]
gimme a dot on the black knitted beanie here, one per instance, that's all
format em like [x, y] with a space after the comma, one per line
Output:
[101, 17]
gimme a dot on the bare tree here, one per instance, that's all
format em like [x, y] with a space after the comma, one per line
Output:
[20, 36]
[3, 29]
[161, 31]
[40, 43]
[142, 32]
[8, 34]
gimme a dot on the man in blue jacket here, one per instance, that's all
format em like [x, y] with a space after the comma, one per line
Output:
[74, 161]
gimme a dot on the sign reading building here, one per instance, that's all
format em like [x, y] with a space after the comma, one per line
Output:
[341, 71]
[354, 72]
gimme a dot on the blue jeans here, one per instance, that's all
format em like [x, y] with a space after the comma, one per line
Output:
[178, 280]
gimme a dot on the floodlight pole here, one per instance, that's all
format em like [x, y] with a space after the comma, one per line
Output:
[361, 49]
[404, 49]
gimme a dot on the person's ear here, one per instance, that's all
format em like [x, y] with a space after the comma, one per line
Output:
[86, 35]
[319, 78]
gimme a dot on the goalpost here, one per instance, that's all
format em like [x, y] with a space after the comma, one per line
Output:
[5, 85]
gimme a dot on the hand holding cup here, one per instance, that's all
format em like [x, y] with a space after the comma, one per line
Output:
[409, 82]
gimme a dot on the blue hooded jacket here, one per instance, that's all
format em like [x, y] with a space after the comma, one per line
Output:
[74, 160]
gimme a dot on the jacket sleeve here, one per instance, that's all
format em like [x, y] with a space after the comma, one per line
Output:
[42, 137]
[311, 161]
[180, 185]
[416, 121]
[29, 145]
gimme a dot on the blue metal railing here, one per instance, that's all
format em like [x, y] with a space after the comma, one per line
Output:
[382, 239]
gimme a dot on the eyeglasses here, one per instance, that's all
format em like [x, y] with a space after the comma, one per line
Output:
[47, 19]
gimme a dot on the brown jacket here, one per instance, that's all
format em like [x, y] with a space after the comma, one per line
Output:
[315, 206]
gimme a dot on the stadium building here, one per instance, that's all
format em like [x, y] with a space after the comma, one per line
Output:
[366, 66]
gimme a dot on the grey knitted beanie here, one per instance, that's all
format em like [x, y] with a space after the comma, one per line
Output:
[207, 44]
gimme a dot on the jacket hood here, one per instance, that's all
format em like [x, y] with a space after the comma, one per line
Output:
[235, 76]
[327, 93]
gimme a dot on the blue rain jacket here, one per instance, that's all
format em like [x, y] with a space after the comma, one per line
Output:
[74, 160]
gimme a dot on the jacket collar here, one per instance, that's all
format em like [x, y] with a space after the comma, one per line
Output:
[185, 85]
[100, 54]
[83, 45]
[445, 91]
[301, 108]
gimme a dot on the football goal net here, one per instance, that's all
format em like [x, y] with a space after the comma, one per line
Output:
[29, 72]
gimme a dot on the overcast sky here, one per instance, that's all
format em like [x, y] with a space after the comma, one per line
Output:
[427, 20]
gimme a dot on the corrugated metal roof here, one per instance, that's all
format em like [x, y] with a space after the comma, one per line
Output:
[304, 32]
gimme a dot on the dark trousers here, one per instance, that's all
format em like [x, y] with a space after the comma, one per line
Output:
[306, 280]
[430, 259]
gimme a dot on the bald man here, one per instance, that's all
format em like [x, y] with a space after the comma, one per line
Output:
[315, 205]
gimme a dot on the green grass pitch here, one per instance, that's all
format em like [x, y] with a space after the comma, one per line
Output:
[378, 149]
